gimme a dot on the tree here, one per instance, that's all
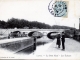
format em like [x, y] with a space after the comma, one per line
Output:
[21, 23]
[2, 24]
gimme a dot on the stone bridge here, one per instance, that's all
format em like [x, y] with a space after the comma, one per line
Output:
[17, 44]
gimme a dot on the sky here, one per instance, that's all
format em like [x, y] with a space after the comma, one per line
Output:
[37, 10]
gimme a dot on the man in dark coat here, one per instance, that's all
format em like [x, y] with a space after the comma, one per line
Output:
[63, 41]
[58, 41]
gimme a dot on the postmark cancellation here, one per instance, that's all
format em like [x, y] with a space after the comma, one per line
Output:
[58, 8]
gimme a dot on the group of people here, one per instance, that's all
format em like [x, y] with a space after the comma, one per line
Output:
[61, 39]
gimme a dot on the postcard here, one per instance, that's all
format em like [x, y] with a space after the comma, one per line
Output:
[40, 29]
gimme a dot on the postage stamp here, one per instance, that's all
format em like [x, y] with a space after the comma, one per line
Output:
[58, 8]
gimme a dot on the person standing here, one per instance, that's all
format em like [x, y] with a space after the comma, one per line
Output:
[63, 41]
[58, 41]
[34, 43]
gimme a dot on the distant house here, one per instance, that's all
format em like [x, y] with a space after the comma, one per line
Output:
[15, 28]
[34, 28]
[26, 27]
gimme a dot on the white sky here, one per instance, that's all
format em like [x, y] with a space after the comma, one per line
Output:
[37, 10]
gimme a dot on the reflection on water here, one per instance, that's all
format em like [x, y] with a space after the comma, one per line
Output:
[25, 46]
[31, 49]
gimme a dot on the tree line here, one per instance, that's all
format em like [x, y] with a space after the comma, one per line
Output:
[22, 23]
[61, 27]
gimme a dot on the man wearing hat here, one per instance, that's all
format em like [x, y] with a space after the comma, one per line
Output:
[63, 41]
[58, 40]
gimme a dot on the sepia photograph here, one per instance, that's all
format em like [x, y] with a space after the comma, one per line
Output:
[39, 29]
